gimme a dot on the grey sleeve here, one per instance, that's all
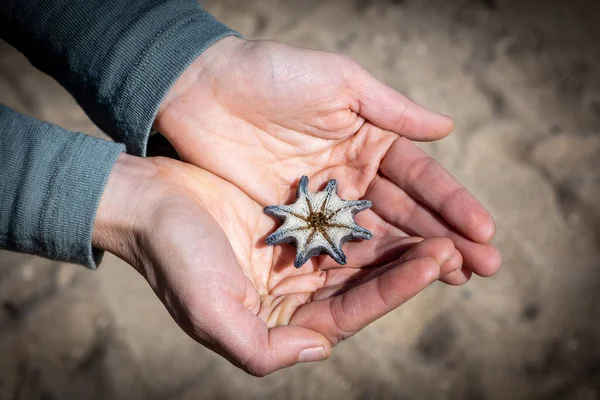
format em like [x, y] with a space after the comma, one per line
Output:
[51, 181]
[117, 58]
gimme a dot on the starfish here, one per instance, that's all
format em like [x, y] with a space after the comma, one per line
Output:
[318, 222]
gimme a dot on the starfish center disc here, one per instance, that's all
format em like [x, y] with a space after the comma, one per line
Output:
[318, 220]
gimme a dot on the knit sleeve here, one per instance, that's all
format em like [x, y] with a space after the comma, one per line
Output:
[51, 182]
[117, 58]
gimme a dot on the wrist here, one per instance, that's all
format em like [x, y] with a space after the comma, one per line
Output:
[220, 52]
[125, 202]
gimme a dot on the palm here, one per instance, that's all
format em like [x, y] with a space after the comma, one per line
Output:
[240, 278]
[268, 113]
[274, 130]
[258, 116]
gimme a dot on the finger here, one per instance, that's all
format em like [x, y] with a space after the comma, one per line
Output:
[245, 340]
[442, 250]
[401, 210]
[340, 317]
[388, 244]
[386, 108]
[385, 247]
[457, 278]
[377, 225]
[452, 265]
[374, 252]
[383, 230]
[411, 169]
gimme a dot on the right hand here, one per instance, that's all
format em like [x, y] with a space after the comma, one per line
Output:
[199, 242]
[260, 114]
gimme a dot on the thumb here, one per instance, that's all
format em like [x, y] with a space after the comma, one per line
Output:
[387, 109]
[248, 343]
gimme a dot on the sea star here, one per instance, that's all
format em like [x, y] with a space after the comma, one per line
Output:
[318, 222]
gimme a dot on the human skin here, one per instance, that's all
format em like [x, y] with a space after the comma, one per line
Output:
[199, 242]
[260, 114]
[255, 116]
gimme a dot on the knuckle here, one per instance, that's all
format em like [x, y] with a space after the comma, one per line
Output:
[256, 368]
[343, 332]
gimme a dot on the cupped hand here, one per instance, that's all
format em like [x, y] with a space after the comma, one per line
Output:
[260, 114]
[200, 243]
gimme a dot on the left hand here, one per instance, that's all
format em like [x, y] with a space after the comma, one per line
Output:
[260, 114]
[199, 242]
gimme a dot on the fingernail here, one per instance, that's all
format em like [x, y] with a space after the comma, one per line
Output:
[312, 354]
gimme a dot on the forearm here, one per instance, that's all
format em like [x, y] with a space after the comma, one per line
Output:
[117, 58]
[51, 181]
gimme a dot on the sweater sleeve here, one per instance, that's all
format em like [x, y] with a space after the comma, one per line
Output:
[117, 58]
[51, 181]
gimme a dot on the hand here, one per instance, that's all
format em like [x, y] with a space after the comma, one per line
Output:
[261, 114]
[199, 241]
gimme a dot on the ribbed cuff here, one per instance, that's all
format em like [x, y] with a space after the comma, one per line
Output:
[68, 220]
[182, 32]
[117, 58]
[51, 183]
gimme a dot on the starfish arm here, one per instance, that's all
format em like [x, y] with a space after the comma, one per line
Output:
[361, 233]
[290, 231]
[303, 256]
[278, 237]
[321, 200]
[302, 190]
[350, 230]
[319, 243]
[357, 206]
[341, 233]
[354, 206]
[285, 212]
[307, 249]
[345, 219]
[284, 236]
[334, 248]
[332, 186]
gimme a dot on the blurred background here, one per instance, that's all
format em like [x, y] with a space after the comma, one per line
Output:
[521, 78]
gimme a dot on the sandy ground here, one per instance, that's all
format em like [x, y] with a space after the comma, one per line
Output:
[521, 80]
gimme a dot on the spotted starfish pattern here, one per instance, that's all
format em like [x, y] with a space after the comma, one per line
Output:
[318, 223]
